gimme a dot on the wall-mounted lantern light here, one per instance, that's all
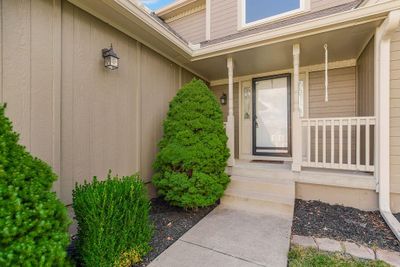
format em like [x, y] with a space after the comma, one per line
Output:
[110, 58]
[222, 99]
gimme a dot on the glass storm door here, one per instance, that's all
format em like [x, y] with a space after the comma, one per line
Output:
[271, 116]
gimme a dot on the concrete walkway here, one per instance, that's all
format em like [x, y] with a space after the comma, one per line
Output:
[228, 237]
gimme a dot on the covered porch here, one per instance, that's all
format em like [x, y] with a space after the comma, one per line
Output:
[296, 103]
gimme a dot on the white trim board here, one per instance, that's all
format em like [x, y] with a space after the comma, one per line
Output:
[311, 68]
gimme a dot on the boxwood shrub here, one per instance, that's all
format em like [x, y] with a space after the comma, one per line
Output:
[190, 167]
[113, 221]
[33, 222]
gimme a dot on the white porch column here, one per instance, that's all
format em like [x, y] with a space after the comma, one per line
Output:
[296, 124]
[230, 124]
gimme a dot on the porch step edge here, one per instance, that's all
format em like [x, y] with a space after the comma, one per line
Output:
[262, 180]
[264, 196]
[258, 206]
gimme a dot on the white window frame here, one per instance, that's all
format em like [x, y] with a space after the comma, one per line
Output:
[304, 7]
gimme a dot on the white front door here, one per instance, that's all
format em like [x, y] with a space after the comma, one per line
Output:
[271, 116]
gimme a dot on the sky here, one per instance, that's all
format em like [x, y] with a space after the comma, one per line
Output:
[256, 9]
[156, 4]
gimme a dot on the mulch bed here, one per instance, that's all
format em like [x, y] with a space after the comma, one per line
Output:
[170, 223]
[314, 218]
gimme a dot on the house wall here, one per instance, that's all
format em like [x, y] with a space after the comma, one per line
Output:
[192, 27]
[218, 91]
[30, 74]
[69, 110]
[395, 121]
[365, 81]
[224, 14]
[223, 18]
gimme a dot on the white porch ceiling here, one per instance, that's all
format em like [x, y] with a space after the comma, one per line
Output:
[343, 44]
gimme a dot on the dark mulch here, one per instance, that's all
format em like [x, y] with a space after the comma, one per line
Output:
[314, 218]
[170, 223]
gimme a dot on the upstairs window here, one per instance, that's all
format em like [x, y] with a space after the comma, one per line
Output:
[255, 12]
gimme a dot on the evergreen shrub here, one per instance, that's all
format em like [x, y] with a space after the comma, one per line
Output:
[33, 222]
[190, 166]
[113, 221]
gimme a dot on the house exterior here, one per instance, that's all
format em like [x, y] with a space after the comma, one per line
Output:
[312, 86]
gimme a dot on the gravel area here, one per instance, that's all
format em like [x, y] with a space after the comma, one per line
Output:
[314, 218]
[170, 224]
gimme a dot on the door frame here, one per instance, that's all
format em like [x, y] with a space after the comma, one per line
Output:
[289, 117]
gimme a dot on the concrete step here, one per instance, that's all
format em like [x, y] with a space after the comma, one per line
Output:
[277, 173]
[284, 187]
[259, 203]
[262, 188]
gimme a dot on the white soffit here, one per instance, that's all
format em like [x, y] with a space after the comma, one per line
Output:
[344, 44]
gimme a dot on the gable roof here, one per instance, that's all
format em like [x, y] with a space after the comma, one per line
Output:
[287, 22]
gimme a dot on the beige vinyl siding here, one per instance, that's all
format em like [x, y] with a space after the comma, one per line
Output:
[342, 93]
[30, 74]
[192, 28]
[218, 91]
[224, 14]
[72, 112]
[365, 81]
[365, 94]
[156, 95]
[395, 116]
[98, 106]
[342, 103]
[186, 76]
[324, 4]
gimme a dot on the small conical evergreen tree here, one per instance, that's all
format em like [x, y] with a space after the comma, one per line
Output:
[190, 167]
[33, 222]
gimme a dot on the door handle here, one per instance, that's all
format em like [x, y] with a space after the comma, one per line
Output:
[255, 121]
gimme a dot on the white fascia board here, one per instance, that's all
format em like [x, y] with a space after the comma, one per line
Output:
[173, 6]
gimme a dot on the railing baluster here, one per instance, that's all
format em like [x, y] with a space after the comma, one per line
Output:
[332, 142]
[324, 143]
[358, 142]
[309, 142]
[349, 126]
[367, 142]
[340, 144]
[316, 142]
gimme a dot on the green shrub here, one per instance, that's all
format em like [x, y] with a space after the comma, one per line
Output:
[190, 167]
[33, 222]
[113, 221]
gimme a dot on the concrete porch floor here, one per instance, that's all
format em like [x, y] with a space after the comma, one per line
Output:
[231, 237]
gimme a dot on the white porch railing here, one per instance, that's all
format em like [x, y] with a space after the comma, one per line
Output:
[339, 143]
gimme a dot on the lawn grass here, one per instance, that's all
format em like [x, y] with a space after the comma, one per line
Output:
[309, 257]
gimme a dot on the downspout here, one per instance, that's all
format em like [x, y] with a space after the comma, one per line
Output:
[382, 94]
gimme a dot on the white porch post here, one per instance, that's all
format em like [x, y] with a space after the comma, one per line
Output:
[296, 124]
[230, 124]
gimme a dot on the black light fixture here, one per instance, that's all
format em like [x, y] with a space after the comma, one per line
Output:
[222, 99]
[110, 58]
